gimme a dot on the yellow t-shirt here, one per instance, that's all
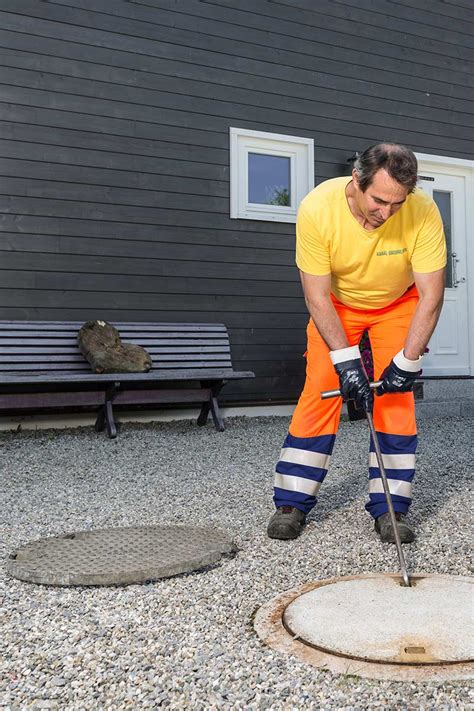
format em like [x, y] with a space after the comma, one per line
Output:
[369, 268]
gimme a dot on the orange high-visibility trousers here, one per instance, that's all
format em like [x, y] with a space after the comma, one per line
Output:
[307, 449]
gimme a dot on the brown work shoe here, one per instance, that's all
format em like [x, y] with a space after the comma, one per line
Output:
[383, 527]
[286, 523]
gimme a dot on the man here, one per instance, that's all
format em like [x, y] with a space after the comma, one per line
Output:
[371, 253]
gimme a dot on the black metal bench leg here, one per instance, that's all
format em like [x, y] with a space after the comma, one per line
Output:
[214, 406]
[100, 421]
[204, 414]
[105, 417]
[216, 415]
[109, 418]
[211, 405]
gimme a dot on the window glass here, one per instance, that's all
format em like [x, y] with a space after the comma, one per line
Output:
[443, 201]
[269, 179]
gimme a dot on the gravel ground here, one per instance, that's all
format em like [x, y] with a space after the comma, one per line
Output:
[188, 642]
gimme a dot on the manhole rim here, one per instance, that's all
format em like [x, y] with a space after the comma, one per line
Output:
[269, 626]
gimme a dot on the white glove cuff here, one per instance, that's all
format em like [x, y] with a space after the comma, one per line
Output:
[410, 366]
[343, 354]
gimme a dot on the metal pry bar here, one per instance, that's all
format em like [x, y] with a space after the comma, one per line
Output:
[406, 580]
[335, 393]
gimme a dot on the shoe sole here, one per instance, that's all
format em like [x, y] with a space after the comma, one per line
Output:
[283, 534]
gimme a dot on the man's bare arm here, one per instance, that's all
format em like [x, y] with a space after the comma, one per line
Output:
[317, 290]
[431, 290]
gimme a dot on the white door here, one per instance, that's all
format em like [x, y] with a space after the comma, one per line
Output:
[449, 345]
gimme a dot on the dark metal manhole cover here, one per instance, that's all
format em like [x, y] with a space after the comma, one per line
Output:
[118, 556]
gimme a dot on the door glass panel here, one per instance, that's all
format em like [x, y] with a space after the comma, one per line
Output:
[269, 179]
[443, 201]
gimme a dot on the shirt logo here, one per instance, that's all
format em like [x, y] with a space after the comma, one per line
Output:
[388, 253]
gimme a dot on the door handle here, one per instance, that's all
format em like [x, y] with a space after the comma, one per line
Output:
[456, 281]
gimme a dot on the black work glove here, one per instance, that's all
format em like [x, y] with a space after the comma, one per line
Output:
[353, 381]
[399, 376]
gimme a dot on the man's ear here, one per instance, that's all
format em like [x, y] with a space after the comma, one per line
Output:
[355, 178]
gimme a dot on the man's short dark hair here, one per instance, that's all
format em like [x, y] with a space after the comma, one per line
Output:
[399, 162]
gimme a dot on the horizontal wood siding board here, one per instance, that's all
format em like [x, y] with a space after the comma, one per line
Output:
[234, 319]
[189, 110]
[242, 88]
[149, 285]
[147, 302]
[435, 14]
[299, 26]
[273, 94]
[225, 264]
[112, 159]
[94, 194]
[300, 124]
[230, 40]
[283, 71]
[116, 214]
[316, 85]
[417, 21]
[59, 175]
[178, 329]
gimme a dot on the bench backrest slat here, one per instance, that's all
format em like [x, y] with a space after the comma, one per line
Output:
[45, 346]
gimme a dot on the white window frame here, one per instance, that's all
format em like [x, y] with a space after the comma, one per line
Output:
[301, 154]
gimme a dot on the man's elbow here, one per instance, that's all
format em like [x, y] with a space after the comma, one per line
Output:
[431, 290]
[317, 302]
[433, 302]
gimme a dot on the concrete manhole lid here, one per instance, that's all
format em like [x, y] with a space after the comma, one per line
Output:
[377, 619]
[118, 556]
[372, 626]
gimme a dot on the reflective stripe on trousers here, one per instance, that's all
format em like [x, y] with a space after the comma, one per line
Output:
[398, 455]
[301, 469]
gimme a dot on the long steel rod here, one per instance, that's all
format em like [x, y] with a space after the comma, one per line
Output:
[388, 496]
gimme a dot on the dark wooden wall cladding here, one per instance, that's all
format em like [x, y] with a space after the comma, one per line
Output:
[114, 121]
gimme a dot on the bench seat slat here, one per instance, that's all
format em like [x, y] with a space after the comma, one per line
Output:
[24, 344]
[38, 356]
[185, 374]
[85, 367]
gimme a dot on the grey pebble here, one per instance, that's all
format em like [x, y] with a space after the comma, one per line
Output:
[188, 642]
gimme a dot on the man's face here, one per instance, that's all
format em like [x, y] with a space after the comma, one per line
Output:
[382, 199]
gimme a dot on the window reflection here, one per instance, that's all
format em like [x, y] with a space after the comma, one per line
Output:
[443, 201]
[269, 179]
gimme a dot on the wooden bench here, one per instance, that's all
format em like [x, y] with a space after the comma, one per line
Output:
[42, 368]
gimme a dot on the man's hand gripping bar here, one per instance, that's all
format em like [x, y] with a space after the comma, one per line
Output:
[335, 393]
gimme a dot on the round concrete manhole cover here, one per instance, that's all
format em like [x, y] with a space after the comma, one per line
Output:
[373, 626]
[118, 556]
